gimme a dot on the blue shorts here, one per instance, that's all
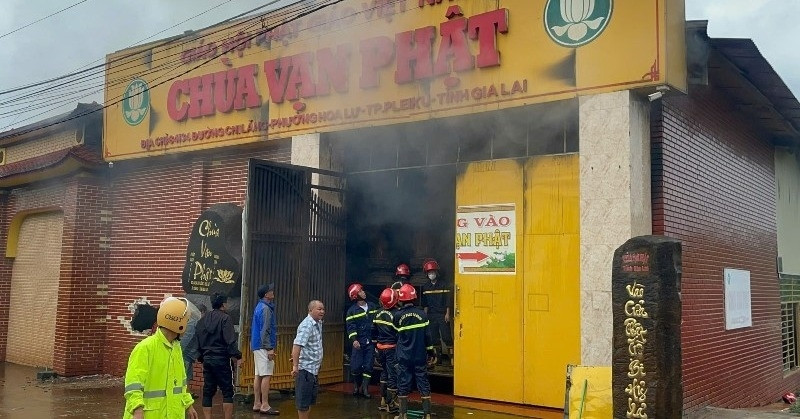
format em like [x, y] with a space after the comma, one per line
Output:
[306, 386]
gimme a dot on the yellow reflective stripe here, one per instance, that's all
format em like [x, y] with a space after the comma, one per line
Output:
[373, 311]
[413, 326]
[351, 335]
[133, 386]
[435, 291]
[429, 348]
[177, 390]
[384, 322]
[367, 375]
[154, 394]
[355, 316]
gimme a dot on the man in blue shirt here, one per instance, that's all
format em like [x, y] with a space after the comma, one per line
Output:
[307, 358]
[263, 339]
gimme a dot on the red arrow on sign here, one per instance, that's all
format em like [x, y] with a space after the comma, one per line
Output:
[477, 256]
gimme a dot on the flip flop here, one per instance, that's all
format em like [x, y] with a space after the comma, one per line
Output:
[270, 412]
[256, 409]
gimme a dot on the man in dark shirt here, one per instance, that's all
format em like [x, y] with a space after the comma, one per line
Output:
[216, 342]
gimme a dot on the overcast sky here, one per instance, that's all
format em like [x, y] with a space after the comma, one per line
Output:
[84, 34]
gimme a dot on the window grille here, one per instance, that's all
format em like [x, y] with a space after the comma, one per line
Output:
[789, 335]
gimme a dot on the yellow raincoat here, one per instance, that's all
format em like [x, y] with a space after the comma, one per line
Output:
[156, 379]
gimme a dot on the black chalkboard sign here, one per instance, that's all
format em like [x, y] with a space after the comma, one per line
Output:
[214, 254]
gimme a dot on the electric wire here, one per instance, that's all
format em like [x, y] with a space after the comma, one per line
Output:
[47, 93]
[136, 58]
[39, 20]
[272, 16]
[120, 98]
[134, 55]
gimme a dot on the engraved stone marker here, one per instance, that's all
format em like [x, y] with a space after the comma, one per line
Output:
[214, 254]
[646, 362]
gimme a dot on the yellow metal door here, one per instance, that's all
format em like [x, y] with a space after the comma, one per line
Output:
[488, 328]
[551, 284]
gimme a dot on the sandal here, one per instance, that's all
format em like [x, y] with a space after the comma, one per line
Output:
[270, 412]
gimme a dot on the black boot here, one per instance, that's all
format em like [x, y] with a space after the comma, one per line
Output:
[394, 404]
[356, 384]
[403, 408]
[365, 388]
[383, 406]
[426, 407]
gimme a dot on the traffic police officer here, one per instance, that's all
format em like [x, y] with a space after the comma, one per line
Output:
[359, 331]
[413, 347]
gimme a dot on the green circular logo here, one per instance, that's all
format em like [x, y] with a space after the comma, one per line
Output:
[573, 23]
[135, 102]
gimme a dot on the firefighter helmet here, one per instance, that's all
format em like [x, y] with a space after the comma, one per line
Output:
[407, 293]
[389, 298]
[402, 270]
[173, 314]
[430, 265]
[353, 291]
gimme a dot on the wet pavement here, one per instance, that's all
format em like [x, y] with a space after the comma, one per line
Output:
[22, 396]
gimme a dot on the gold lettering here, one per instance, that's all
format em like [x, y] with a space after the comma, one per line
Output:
[635, 290]
[208, 229]
[635, 309]
[204, 250]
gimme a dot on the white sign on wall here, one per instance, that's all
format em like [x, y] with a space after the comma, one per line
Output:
[486, 239]
[737, 299]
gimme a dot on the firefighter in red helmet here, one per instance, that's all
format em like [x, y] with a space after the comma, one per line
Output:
[438, 304]
[413, 349]
[402, 274]
[358, 321]
[386, 341]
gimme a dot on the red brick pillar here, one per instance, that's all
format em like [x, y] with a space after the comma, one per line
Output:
[83, 285]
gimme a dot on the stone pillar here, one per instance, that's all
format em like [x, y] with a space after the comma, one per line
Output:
[614, 204]
[314, 150]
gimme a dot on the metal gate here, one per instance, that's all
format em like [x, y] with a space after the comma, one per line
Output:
[294, 236]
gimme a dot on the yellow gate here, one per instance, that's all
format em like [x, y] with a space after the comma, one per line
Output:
[515, 333]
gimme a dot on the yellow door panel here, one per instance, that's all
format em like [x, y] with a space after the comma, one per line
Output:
[488, 330]
[551, 286]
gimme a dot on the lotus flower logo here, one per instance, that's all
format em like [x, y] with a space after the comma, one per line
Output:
[135, 102]
[573, 23]
[225, 276]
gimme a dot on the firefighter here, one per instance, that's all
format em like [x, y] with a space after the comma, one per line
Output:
[386, 340]
[413, 349]
[155, 381]
[437, 303]
[402, 275]
[359, 332]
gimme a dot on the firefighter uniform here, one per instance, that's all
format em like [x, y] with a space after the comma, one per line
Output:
[437, 298]
[413, 344]
[359, 328]
[156, 379]
[386, 341]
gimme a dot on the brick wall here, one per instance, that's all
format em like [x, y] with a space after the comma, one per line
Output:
[714, 189]
[40, 146]
[154, 203]
[82, 291]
